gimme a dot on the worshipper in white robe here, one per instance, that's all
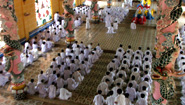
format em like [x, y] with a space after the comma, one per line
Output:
[99, 99]
[52, 78]
[77, 50]
[122, 71]
[94, 57]
[109, 77]
[71, 84]
[142, 100]
[74, 46]
[81, 56]
[112, 64]
[120, 48]
[99, 49]
[148, 76]
[120, 54]
[49, 45]
[76, 23]
[120, 99]
[108, 20]
[127, 100]
[77, 61]
[4, 79]
[121, 81]
[115, 25]
[96, 54]
[56, 17]
[52, 91]
[131, 91]
[72, 54]
[90, 47]
[136, 76]
[44, 47]
[50, 70]
[77, 76]
[83, 69]
[142, 84]
[67, 73]
[79, 21]
[30, 58]
[68, 60]
[90, 58]
[115, 88]
[31, 87]
[111, 30]
[54, 63]
[68, 51]
[87, 23]
[82, 46]
[110, 99]
[60, 82]
[86, 52]
[139, 50]
[133, 25]
[27, 45]
[117, 61]
[42, 76]
[73, 66]
[41, 88]
[58, 59]
[63, 55]
[24, 61]
[103, 86]
[35, 46]
[145, 93]
[64, 93]
[56, 38]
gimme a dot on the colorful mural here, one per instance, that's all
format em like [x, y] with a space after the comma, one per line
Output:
[43, 11]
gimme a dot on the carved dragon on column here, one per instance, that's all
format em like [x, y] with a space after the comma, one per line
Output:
[13, 48]
[69, 20]
[109, 3]
[167, 52]
[95, 9]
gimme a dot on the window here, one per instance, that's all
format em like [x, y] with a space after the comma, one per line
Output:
[43, 11]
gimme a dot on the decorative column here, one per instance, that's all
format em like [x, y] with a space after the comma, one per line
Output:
[167, 50]
[95, 9]
[12, 48]
[109, 3]
[69, 20]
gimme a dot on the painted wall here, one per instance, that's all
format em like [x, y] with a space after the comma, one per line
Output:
[28, 23]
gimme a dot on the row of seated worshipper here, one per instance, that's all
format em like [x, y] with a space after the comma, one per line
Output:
[66, 72]
[113, 17]
[5, 76]
[41, 44]
[82, 15]
[127, 80]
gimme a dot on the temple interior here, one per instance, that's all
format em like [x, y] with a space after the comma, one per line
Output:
[139, 28]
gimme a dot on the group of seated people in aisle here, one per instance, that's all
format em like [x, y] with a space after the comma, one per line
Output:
[82, 15]
[127, 80]
[42, 43]
[66, 71]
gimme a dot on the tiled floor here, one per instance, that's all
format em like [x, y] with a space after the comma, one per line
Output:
[143, 36]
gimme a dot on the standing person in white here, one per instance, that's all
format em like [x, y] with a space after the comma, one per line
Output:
[87, 23]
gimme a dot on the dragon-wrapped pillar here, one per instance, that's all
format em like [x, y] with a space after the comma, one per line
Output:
[95, 9]
[167, 51]
[109, 3]
[12, 48]
[69, 20]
